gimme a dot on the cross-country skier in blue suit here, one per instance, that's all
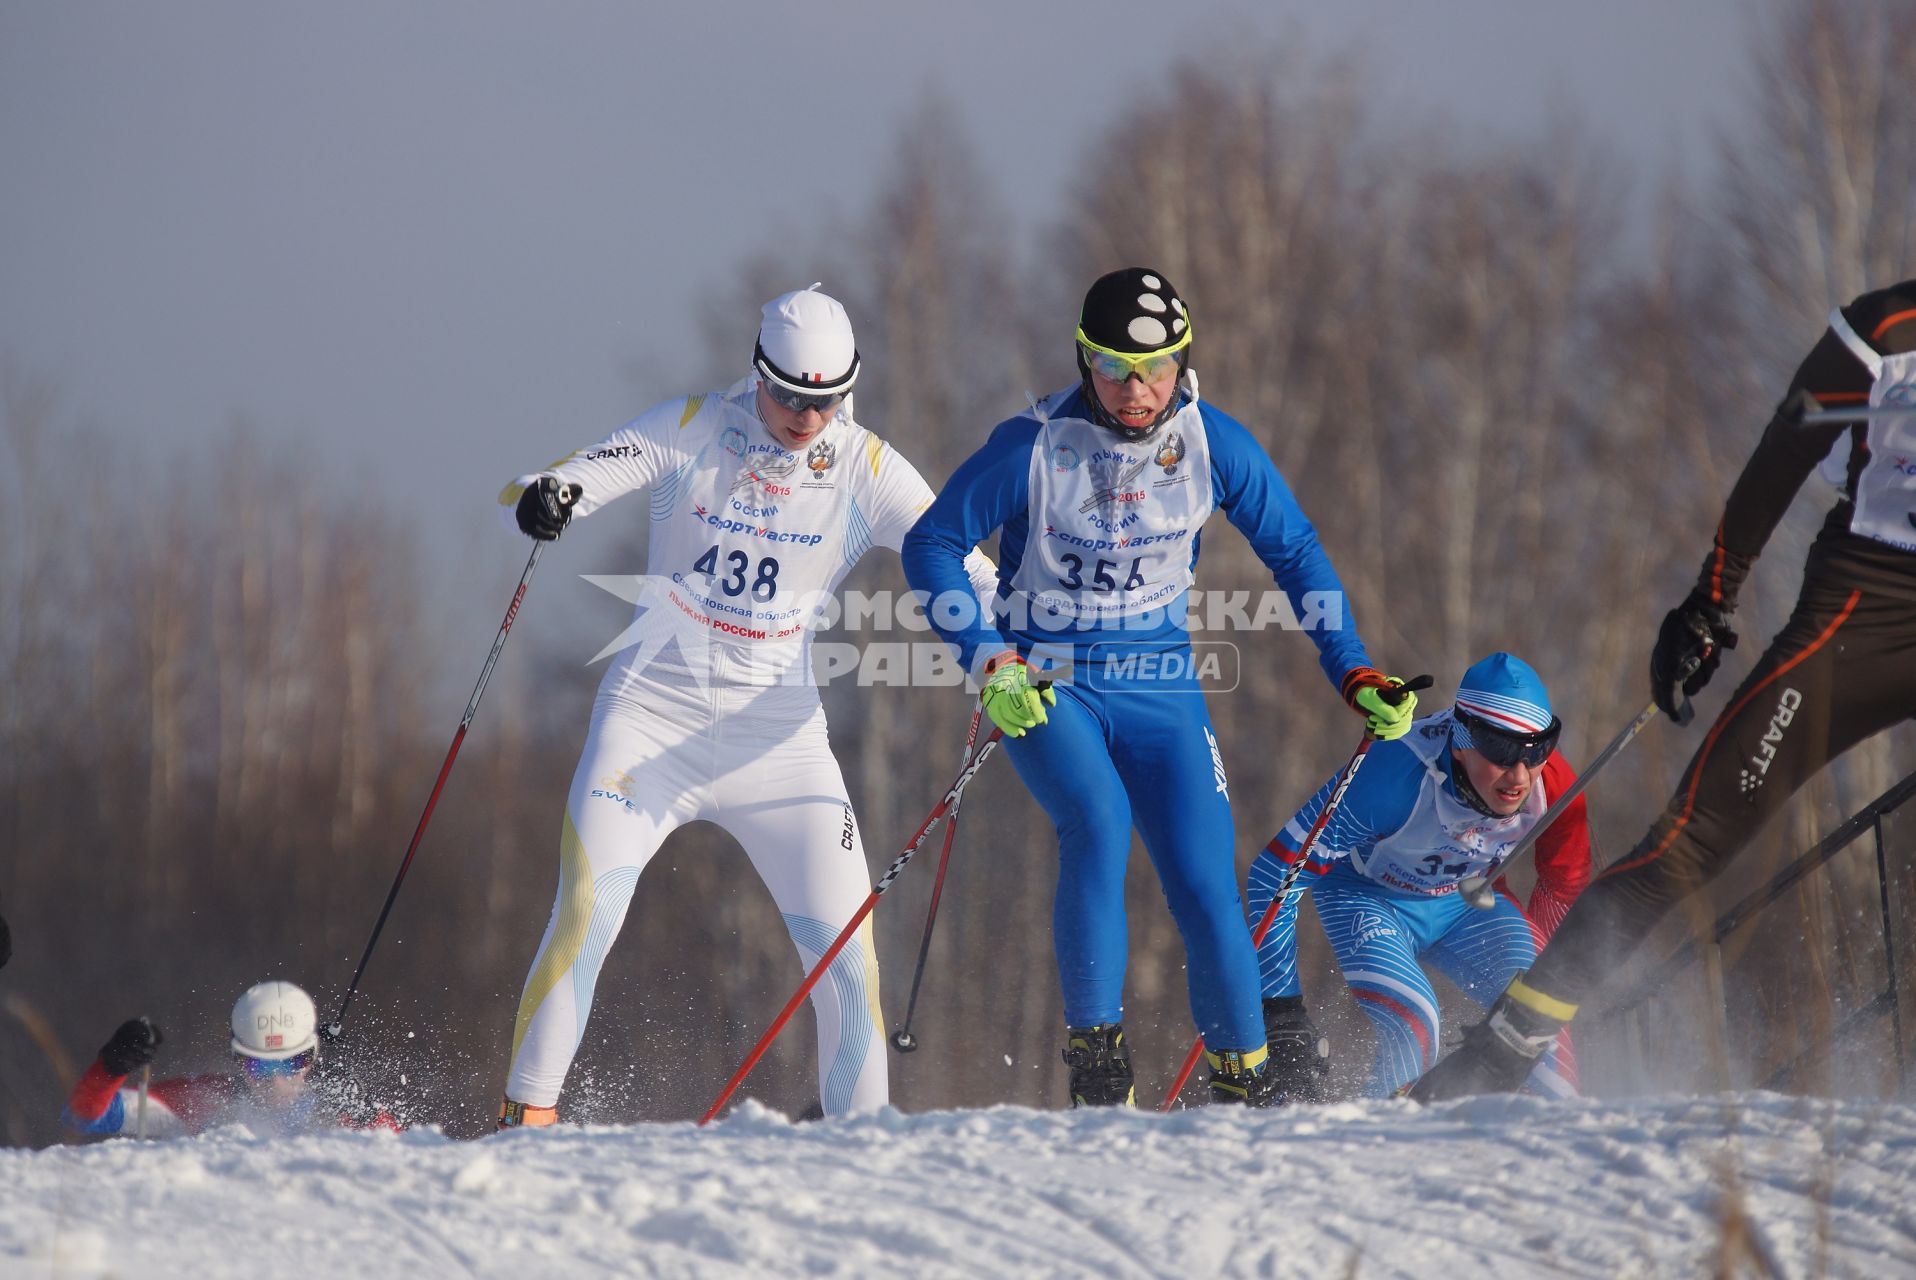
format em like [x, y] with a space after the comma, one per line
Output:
[1097, 496]
[1447, 801]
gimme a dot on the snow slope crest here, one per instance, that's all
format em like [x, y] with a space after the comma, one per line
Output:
[1489, 1187]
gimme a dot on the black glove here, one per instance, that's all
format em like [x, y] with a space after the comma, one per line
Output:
[131, 1047]
[545, 508]
[1300, 1062]
[1689, 648]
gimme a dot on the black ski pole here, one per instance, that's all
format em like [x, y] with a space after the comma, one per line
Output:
[902, 1039]
[332, 1029]
[1476, 890]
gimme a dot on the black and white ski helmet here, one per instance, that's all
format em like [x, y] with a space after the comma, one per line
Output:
[1135, 311]
[805, 343]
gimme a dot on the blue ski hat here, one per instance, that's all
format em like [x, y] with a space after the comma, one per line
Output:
[1505, 693]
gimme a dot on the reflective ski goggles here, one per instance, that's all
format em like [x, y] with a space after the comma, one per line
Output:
[1151, 367]
[277, 1068]
[800, 401]
[1500, 746]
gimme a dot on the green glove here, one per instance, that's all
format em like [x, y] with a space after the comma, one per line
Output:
[1383, 719]
[1011, 700]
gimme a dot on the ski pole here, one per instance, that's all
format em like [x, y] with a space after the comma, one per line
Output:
[902, 1039]
[1277, 900]
[1392, 696]
[946, 805]
[331, 1030]
[1476, 889]
[1861, 414]
[139, 1116]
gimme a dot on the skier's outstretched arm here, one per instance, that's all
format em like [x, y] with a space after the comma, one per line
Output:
[634, 456]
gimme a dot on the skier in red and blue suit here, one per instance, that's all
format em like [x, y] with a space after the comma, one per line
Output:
[275, 1050]
[1445, 802]
[1097, 496]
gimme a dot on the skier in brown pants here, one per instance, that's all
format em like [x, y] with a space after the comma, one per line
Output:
[1842, 669]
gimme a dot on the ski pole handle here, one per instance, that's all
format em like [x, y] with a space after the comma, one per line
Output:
[1398, 692]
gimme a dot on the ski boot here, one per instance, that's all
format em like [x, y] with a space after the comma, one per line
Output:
[1300, 1065]
[1100, 1063]
[1498, 1053]
[1237, 1076]
[518, 1115]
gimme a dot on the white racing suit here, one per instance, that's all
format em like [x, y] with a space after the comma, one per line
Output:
[709, 710]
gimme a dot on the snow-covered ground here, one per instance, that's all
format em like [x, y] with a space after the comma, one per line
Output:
[1489, 1187]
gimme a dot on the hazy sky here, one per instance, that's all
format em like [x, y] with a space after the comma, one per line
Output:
[430, 240]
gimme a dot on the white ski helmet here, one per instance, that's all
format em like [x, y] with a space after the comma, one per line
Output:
[274, 1020]
[805, 343]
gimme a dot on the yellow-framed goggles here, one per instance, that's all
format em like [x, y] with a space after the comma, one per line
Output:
[1150, 367]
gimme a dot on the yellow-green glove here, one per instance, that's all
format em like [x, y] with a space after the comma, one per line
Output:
[1011, 700]
[1364, 689]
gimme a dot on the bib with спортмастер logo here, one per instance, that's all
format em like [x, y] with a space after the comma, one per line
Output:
[1113, 521]
[1886, 487]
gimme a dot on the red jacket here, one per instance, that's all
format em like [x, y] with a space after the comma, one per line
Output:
[105, 1104]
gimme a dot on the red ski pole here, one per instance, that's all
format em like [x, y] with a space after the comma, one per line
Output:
[945, 805]
[332, 1029]
[902, 1039]
[1290, 877]
[1270, 912]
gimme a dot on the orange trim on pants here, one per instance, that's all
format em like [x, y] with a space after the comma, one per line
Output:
[1716, 730]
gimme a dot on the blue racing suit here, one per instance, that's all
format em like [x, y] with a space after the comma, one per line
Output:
[1384, 873]
[1097, 543]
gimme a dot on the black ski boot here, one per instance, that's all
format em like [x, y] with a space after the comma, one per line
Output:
[1100, 1063]
[1498, 1053]
[1234, 1080]
[1300, 1062]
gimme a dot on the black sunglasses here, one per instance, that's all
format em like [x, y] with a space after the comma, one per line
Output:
[1502, 747]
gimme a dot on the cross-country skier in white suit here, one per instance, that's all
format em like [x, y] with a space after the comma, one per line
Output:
[762, 498]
